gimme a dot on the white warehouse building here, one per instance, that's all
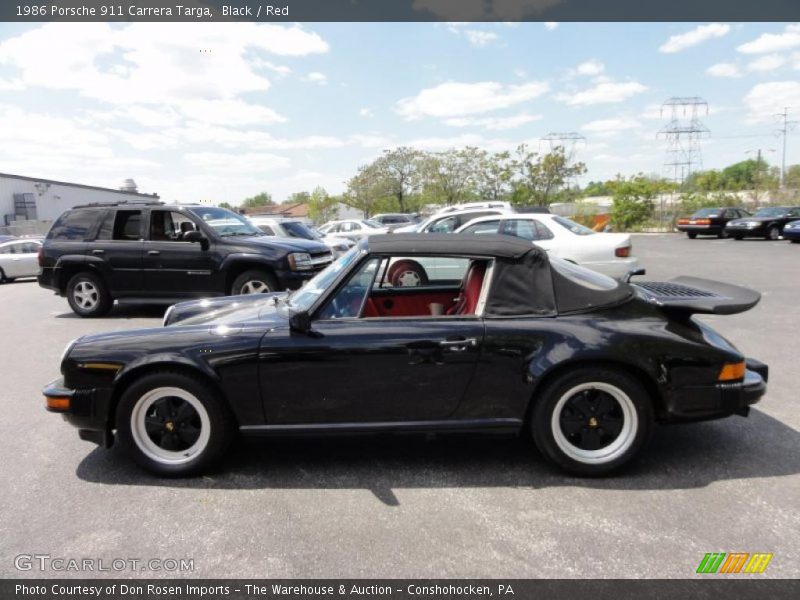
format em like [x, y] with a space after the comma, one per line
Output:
[29, 205]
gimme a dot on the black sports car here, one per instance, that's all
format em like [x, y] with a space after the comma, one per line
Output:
[518, 342]
[709, 221]
[767, 222]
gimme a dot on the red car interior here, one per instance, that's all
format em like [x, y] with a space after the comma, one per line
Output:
[412, 303]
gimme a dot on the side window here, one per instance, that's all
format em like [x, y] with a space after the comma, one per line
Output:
[355, 227]
[795, 212]
[446, 225]
[266, 229]
[128, 225]
[169, 226]
[542, 231]
[30, 248]
[73, 225]
[106, 231]
[5, 249]
[483, 228]
[349, 299]
[524, 229]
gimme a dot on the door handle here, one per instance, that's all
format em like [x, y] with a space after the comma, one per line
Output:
[153, 252]
[459, 345]
[98, 251]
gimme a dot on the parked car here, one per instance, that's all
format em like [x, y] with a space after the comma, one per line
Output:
[18, 258]
[292, 228]
[791, 232]
[161, 254]
[767, 222]
[394, 220]
[608, 253]
[710, 221]
[353, 229]
[451, 218]
[525, 342]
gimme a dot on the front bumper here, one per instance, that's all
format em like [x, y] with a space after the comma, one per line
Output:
[88, 410]
[697, 403]
[791, 234]
[741, 231]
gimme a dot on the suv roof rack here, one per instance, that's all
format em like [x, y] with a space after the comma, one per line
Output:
[121, 203]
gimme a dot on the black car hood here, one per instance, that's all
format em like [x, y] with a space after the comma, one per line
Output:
[289, 244]
[230, 310]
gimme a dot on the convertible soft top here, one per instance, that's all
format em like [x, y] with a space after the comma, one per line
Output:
[490, 245]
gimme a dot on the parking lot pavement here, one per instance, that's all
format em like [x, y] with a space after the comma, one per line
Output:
[396, 507]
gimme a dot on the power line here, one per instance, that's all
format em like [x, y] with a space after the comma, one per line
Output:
[683, 134]
[787, 126]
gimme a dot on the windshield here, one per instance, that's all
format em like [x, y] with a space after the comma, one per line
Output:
[225, 222]
[574, 227]
[770, 212]
[299, 230]
[305, 297]
[373, 224]
[707, 212]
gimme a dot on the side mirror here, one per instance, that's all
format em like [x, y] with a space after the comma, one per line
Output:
[300, 322]
[196, 237]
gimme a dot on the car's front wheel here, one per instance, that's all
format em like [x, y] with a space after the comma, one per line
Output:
[173, 425]
[593, 420]
[87, 295]
[773, 233]
[254, 282]
[691, 236]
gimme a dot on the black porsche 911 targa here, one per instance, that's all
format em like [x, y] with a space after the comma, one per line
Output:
[500, 340]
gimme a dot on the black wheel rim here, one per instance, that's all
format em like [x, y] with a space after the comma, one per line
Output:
[591, 419]
[172, 424]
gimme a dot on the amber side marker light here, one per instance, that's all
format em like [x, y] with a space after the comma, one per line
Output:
[57, 402]
[731, 371]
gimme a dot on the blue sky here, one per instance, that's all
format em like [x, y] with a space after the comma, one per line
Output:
[222, 111]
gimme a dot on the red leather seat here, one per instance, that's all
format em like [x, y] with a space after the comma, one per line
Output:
[468, 298]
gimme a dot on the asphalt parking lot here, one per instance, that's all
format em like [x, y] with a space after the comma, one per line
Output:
[408, 507]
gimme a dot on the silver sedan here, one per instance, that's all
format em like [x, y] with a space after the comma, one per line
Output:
[18, 258]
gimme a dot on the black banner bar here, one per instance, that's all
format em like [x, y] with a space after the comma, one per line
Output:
[711, 587]
[400, 10]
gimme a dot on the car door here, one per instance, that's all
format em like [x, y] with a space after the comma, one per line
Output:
[356, 370]
[26, 259]
[119, 244]
[172, 266]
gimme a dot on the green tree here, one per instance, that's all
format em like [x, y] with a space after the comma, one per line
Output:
[450, 176]
[400, 173]
[262, 199]
[495, 173]
[541, 176]
[298, 198]
[226, 205]
[365, 189]
[634, 199]
[792, 177]
[321, 206]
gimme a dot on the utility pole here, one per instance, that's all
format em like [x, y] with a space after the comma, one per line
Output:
[783, 131]
[568, 142]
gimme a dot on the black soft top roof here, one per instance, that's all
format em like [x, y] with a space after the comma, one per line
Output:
[500, 246]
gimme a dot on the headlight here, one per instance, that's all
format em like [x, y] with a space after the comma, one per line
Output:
[752, 223]
[300, 261]
[67, 349]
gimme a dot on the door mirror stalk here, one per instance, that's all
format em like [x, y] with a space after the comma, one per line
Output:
[196, 237]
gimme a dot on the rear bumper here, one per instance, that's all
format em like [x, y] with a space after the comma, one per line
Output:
[48, 279]
[88, 411]
[701, 229]
[696, 403]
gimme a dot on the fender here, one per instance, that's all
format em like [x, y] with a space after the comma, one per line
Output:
[166, 359]
[248, 257]
[68, 260]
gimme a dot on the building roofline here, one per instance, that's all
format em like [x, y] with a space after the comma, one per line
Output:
[78, 185]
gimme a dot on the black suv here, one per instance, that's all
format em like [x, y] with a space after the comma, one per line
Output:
[160, 254]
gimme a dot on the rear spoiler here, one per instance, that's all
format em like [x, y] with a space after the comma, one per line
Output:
[693, 295]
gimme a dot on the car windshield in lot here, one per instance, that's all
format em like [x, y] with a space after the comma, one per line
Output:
[304, 298]
[707, 212]
[300, 230]
[226, 223]
[770, 212]
[574, 227]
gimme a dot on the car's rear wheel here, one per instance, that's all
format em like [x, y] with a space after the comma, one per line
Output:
[691, 236]
[173, 425]
[407, 273]
[254, 282]
[87, 295]
[738, 238]
[593, 420]
[773, 233]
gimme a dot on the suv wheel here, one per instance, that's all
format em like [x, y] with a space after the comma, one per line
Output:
[172, 424]
[254, 282]
[593, 420]
[87, 295]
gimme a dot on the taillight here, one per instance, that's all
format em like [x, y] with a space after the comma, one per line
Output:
[683, 221]
[623, 252]
[703, 221]
[40, 256]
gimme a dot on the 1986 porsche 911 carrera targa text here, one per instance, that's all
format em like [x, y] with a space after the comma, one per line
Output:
[516, 342]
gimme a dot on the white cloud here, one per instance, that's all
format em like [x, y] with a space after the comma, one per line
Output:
[479, 38]
[591, 67]
[454, 99]
[494, 123]
[724, 70]
[603, 93]
[699, 34]
[768, 62]
[316, 77]
[612, 126]
[765, 100]
[773, 42]
[551, 25]
[365, 112]
[250, 162]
